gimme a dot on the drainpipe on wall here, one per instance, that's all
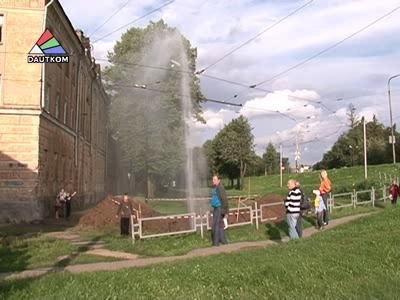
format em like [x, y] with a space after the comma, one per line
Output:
[43, 65]
[77, 86]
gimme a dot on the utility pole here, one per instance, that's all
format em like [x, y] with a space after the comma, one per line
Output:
[280, 163]
[297, 155]
[391, 119]
[365, 150]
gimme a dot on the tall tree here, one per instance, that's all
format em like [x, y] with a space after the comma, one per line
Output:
[352, 116]
[146, 107]
[234, 148]
[271, 159]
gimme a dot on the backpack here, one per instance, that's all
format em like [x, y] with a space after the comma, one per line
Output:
[304, 203]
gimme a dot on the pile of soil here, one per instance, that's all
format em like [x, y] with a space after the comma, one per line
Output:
[275, 211]
[104, 213]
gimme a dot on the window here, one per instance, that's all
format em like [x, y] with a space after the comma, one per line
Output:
[1, 28]
[47, 97]
[65, 110]
[58, 105]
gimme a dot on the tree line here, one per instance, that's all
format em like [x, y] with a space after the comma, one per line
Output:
[348, 150]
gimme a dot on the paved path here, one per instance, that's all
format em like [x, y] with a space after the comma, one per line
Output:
[134, 261]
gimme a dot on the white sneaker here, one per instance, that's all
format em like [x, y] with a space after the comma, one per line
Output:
[325, 223]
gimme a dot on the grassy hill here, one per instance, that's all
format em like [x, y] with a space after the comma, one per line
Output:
[343, 180]
[359, 260]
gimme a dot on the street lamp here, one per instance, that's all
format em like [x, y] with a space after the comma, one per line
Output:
[391, 120]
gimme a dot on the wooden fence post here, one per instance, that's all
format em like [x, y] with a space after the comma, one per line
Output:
[256, 208]
[373, 196]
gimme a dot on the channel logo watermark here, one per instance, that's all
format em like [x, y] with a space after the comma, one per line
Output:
[47, 50]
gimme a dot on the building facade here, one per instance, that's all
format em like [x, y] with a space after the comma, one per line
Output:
[53, 116]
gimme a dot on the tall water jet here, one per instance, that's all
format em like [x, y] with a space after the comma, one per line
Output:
[187, 109]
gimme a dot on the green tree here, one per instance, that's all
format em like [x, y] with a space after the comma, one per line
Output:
[271, 159]
[146, 108]
[348, 150]
[233, 147]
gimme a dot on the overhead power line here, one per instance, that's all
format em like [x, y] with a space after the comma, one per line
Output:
[109, 18]
[133, 21]
[255, 37]
[330, 47]
[144, 87]
[303, 62]
[217, 79]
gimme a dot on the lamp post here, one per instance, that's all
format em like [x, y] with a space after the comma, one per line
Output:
[391, 119]
[280, 164]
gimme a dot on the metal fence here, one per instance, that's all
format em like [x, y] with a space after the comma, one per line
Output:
[244, 214]
[357, 198]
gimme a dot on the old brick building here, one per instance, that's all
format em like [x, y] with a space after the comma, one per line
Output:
[53, 117]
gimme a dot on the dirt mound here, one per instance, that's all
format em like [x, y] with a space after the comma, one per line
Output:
[104, 213]
[274, 212]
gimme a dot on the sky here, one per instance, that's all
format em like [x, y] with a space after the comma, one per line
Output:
[305, 96]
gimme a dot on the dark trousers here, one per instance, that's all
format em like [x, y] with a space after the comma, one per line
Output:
[67, 209]
[299, 226]
[394, 200]
[125, 226]
[320, 219]
[217, 231]
[326, 211]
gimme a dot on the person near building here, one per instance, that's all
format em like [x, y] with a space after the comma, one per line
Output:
[60, 203]
[125, 210]
[68, 199]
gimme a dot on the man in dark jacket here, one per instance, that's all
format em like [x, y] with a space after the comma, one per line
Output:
[219, 203]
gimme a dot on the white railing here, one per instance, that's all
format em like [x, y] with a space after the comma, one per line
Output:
[243, 214]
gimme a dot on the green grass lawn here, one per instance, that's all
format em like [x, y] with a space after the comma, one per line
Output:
[169, 207]
[20, 253]
[181, 244]
[359, 260]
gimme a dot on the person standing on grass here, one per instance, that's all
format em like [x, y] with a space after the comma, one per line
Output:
[319, 209]
[393, 191]
[219, 203]
[292, 204]
[125, 210]
[325, 188]
[303, 206]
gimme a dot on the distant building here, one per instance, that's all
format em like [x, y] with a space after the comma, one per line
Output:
[53, 116]
[305, 168]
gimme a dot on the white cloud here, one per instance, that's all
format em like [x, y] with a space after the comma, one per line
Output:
[214, 119]
[296, 104]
